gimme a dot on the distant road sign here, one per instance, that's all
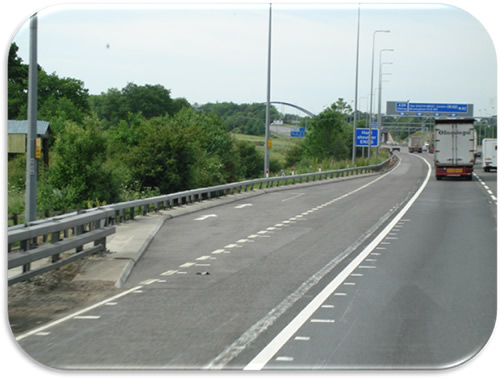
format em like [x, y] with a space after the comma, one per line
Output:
[297, 133]
[362, 137]
[404, 108]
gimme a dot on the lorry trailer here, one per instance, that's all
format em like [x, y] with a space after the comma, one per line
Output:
[454, 147]
[489, 154]
[415, 144]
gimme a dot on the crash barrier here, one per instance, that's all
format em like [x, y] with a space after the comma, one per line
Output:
[128, 210]
[28, 244]
[69, 239]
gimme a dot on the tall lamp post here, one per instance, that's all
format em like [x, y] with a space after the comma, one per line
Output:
[268, 103]
[371, 92]
[31, 162]
[379, 115]
[355, 123]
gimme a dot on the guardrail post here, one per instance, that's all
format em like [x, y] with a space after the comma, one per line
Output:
[79, 231]
[56, 236]
[25, 246]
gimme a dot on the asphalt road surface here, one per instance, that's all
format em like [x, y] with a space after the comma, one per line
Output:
[380, 271]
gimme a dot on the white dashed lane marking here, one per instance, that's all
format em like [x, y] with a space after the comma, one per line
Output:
[302, 338]
[485, 186]
[87, 317]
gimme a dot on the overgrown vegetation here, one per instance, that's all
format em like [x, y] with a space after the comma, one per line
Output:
[139, 142]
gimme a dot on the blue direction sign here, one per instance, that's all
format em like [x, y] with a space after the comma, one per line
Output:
[431, 108]
[362, 137]
[297, 133]
[405, 108]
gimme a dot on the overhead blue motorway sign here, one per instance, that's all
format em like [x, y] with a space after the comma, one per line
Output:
[362, 137]
[405, 108]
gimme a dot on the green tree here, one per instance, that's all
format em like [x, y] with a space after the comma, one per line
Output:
[294, 154]
[59, 99]
[188, 150]
[243, 118]
[329, 136]
[53, 89]
[251, 162]
[149, 100]
[163, 156]
[17, 73]
[109, 106]
[78, 174]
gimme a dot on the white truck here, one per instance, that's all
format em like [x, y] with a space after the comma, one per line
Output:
[454, 146]
[489, 154]
[415, 144]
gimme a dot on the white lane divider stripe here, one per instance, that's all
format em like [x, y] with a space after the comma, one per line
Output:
[291, 329]
[302, 338]
[294, 197]
[87, 317]
[260, 326]
[73, 315]
[322, 321]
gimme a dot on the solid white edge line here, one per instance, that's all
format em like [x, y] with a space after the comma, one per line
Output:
[231, 351]
[284, 336]
[73, 315]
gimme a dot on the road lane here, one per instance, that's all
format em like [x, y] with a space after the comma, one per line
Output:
[203, 284]
[426, 297]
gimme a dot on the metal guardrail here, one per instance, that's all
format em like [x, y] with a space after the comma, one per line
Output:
[28, 244]
[127, 210]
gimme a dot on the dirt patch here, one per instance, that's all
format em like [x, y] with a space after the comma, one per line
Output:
[52, 295]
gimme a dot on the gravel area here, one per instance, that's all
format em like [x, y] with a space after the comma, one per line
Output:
[52, 295]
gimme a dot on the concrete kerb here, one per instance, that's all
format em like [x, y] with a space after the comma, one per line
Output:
[132, 238]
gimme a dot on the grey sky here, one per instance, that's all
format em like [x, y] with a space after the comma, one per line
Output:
[208, 54]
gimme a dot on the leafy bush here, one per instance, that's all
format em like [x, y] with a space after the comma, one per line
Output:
[77, 174]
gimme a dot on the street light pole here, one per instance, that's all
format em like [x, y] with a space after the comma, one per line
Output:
[268, 103]
[31, 162]
[355, 123]
[371, 92]
[379, 115]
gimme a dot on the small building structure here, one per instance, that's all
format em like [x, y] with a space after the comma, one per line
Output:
[18, 131]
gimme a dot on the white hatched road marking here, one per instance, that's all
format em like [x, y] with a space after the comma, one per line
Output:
[284, 336]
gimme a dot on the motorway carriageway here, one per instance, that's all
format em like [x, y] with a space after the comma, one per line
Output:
[393, 270]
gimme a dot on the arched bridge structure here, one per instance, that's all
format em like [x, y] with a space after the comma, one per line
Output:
[309, 113]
